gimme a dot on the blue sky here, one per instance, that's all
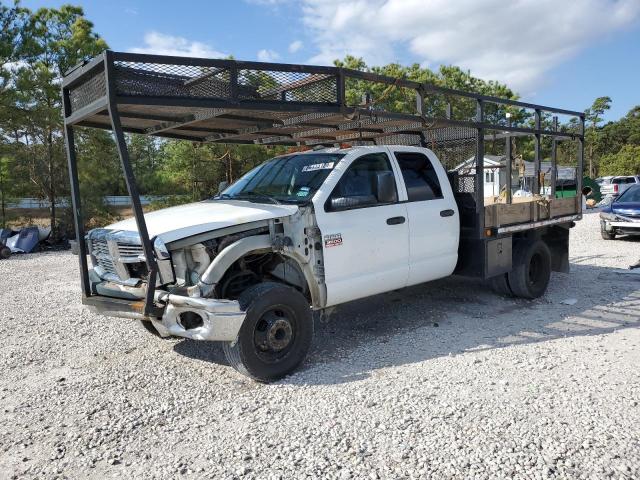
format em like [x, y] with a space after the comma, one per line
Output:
[552, 52]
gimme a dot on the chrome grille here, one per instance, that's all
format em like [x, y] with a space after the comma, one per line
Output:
[107, 265]
[99, 247]
[130, 250]
[100, 251]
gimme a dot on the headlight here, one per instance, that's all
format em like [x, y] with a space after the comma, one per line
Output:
[161, 250]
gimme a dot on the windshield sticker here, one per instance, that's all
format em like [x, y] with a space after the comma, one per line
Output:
[303, 192]
[318, 166]
[333, 240]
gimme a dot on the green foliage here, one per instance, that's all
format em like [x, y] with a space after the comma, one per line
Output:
[49, 42]
[398, 99]
[624, 162]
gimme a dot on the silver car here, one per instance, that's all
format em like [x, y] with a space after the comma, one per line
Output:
[616, 185]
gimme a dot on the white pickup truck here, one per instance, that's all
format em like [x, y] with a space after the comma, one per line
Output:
[300, 233]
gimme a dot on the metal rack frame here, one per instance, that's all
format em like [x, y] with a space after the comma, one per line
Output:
[115, 91]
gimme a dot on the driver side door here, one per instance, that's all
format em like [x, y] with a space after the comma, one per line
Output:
[364, 230]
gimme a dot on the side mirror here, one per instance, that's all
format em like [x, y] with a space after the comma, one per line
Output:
[222, 186]
[386, 187]
[345, 203]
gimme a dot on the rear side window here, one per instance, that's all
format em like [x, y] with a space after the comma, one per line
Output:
[419, 176]
[622, 180]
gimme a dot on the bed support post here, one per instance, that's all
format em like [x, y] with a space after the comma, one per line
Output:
[554, 160]
[78, 222]
[132, 185]
[508, 162]
[480, 167]
[537, 158]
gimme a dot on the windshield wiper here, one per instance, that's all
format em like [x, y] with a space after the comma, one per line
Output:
[254, 195]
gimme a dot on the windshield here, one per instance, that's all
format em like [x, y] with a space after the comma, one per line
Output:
[291, 178]
[630, 195]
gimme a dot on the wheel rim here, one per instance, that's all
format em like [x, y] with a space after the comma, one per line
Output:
[535, 269]
[274, 333]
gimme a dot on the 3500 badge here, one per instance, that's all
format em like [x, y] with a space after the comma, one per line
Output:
[333, 240]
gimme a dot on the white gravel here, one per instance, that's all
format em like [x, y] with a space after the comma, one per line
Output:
[444, 380]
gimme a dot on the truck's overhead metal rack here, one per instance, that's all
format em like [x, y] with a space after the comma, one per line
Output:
[228, 101]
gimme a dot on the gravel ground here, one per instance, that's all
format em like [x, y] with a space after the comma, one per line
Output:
[443, 380]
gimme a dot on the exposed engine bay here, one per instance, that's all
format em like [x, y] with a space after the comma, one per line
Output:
[201, 277]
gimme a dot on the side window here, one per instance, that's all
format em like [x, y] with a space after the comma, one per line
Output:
[419, 176]
[369, 180]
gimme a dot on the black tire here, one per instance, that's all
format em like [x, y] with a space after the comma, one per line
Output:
[531, 272]
[148, 326]
[607, 236]
[500, 285]
[276, 334]
[5, 252]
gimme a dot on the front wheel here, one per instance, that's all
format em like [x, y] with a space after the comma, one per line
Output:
[607, 235]
[531, 270]
[276, 334]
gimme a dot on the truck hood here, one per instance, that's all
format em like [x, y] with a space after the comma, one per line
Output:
[175, 223]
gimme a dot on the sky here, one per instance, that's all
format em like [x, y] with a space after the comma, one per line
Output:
[553, 52]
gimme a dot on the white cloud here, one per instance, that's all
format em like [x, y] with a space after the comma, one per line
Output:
[265, 55]
[161, 44]
[512, 42]
[295, 46]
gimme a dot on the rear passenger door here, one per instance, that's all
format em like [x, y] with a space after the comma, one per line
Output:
[434, 225]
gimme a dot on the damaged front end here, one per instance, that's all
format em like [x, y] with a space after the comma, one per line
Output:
[200, 278]
[119, 280]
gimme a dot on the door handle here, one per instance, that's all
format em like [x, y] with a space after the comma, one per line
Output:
[447, 213]
[395, 220]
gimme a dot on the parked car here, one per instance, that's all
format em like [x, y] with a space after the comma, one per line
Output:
[604, 180]
[617, 185]
[622, 216]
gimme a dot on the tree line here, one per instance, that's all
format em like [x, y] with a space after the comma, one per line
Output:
[38, 47]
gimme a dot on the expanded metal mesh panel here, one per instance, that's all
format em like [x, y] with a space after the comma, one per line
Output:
[453, 145]
[465, 184]
[87, 92]
[167, 80]
[217, 82]
[400, 139]
[288, 86]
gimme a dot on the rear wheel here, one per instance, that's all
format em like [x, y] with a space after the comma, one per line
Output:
[5, 252]
[276, 334]
[531, 271]
[500, 285]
